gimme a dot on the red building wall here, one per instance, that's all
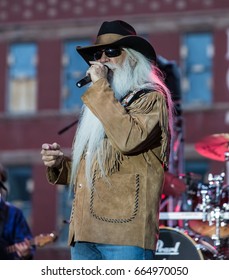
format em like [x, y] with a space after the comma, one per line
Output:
[221, 66]
[49, 73]
[3, 59]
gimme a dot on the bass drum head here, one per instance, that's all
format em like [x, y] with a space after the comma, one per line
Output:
[176, 245]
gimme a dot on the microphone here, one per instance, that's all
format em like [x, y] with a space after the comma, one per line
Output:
[87, 79]
[84, 81]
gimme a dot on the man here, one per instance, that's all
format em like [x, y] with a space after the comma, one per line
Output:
[15, 234]
[120, 150]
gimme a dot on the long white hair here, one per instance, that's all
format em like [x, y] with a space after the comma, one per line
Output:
[90, 132]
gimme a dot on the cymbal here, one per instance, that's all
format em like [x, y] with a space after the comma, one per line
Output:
[173, 185]
[214, 146]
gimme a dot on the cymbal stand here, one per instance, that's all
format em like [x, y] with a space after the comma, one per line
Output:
[176, 161]
[227, 167]
[204, 205]
[216, 182]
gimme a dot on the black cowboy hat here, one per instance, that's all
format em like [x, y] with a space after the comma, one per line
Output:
[118, 34]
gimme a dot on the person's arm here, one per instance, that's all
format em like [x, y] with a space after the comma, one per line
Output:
[22, 236]
[134, 129]
[58, 165]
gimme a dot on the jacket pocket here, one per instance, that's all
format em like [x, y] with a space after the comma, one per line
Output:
[117, 200]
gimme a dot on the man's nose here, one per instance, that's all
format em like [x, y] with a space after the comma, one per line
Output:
[104, 58]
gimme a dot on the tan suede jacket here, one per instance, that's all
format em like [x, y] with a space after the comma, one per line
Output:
[123, 210]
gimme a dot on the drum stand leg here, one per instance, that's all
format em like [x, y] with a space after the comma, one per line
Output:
[227, 167]
[170, 209]
[176, 162]
[169, 205]
[204, 204]
[216, 236]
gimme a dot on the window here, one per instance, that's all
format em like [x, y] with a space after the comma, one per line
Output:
[197, 54]
[74, 69]
[20, 188]
[22, 78]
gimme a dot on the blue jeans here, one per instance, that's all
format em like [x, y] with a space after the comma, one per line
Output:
[95, 251]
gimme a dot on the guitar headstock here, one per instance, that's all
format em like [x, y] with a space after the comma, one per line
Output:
[44, 239]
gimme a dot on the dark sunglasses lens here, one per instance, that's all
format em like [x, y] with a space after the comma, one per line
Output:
[98, 55]
[112, 52]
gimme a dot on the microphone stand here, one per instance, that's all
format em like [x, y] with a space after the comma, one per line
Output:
[67, 127]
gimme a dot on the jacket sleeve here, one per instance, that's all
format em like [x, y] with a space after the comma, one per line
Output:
[130, 129]
[62, 175]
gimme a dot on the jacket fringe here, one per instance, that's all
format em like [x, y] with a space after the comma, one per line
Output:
[110, 163]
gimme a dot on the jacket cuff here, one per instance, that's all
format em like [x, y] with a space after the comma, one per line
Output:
[58, 175]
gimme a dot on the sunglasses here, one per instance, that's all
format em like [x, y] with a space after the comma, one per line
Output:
[110, 52]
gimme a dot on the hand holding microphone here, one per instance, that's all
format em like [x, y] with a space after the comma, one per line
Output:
[94, 73]
[86, 80]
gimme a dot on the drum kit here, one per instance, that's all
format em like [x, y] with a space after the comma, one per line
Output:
[203, 209]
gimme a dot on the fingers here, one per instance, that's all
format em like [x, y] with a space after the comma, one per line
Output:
[53, 146]
[96, 63]
[52, 156]
[100, 67]
[97, 71]
[27, 242]
[22, 248]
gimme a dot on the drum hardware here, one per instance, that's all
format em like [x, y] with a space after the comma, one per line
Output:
[216, 182]
[217, 217]
[176, 244]
[226, 154]
[172, 190]
[225, 198]
[189, 216]
[218, 233]
[205, 205]
[215, 225]
[193, 187]
[173, 185]
[212, 201]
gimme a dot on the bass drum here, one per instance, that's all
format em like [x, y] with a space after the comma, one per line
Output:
[173, 244]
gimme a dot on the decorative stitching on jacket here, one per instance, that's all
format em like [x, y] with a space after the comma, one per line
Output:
[73, 207]
[121, 220]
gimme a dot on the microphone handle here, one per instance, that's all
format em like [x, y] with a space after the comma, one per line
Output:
[87, 79]
[84, 81]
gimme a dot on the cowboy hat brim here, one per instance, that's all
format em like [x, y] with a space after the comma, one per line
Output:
[132, 41]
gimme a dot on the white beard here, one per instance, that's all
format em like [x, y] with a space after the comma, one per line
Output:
[90, 132]
[122, 79]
